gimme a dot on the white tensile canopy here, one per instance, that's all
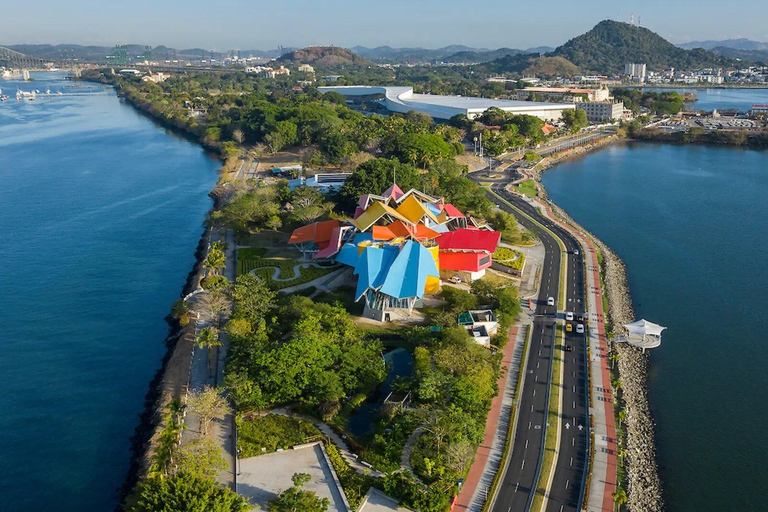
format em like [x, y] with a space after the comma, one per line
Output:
[642, 334]
[644, 327]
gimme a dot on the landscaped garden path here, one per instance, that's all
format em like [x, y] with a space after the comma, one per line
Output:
[327, 431]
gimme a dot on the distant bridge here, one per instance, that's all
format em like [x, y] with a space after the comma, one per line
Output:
[14, 59]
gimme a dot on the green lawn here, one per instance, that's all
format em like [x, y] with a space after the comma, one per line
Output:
[528, 188]
[250, 259]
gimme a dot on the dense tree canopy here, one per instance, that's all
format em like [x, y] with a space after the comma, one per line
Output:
[184, 492]
[374, 177]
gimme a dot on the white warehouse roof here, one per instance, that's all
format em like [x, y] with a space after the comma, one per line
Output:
[402, 99]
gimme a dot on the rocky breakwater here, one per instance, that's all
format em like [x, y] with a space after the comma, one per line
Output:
[643, 483]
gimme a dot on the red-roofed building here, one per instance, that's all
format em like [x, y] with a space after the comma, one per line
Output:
[467, 252]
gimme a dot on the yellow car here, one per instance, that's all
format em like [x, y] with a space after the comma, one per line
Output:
[568, 327]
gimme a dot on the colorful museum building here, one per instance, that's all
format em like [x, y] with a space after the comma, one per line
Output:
[400, 244]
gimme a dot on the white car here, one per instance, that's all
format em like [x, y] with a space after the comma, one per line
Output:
[579, 329]
[576, 252]
[551, 301]
[455, 279]
[569, 316]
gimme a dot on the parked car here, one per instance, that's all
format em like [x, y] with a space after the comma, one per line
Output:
[579, 329]
[568, 327]
[569, 316]
[551, 301]
[455, 279]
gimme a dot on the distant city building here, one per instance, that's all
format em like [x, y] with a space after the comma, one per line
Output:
[306, 68]
[602, 111]
[268, 72]
[331, 78]
[501, 80]
[566, 94]
[156, 77]
[636, 72]
[402, 99]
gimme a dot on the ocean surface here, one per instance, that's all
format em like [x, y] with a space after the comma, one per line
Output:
[100, 214]
[690, 222]
[718, 98]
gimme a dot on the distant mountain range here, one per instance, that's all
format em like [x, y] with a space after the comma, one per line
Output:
[743, 49]
[736, 44]
[133, 51]
[459, 54]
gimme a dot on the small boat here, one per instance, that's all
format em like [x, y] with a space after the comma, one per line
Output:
[24, 95]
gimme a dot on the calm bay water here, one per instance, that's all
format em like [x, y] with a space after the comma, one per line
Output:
[100, 214]
[722, 98]
[690, 222]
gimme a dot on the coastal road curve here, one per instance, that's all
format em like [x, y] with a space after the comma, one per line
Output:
[565, 492]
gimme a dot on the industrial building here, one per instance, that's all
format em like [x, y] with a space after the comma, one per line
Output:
[403, 99]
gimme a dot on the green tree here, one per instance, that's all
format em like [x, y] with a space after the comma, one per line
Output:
[308, 205]
[619, 497]
[184, 492]
[202, 457]
[216, 260]
[494, 142]
[208, 404]
[374, 177]
[253, 298]
[296, 499]
[208, 337]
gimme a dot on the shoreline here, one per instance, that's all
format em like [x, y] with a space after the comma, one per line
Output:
[168, 383]
[644, 491]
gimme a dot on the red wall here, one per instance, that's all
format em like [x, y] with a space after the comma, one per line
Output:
[467, 261]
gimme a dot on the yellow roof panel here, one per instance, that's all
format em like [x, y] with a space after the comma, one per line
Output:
[374, 212]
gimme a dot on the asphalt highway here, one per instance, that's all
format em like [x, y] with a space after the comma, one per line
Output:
[519, 481]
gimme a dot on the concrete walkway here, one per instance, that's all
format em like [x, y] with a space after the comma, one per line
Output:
[488, 456]
[207, 369]
[604, 465]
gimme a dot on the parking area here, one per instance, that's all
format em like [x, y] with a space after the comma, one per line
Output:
[263, 478]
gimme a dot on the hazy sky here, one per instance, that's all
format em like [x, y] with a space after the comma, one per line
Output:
[255, 24]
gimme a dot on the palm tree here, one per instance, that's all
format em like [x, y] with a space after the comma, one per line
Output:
[208, 337]
[614, 357]
[619, 497]
[216, 259]
[622, 416]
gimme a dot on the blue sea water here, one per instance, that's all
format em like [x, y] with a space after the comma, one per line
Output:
[690, 223]
[100, 214]
[722, 98]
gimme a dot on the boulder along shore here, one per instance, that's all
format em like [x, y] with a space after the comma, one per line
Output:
[644, 493]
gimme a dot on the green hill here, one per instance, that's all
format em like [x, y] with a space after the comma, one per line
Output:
[325, 57]
[531, 65]
[611, 44]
